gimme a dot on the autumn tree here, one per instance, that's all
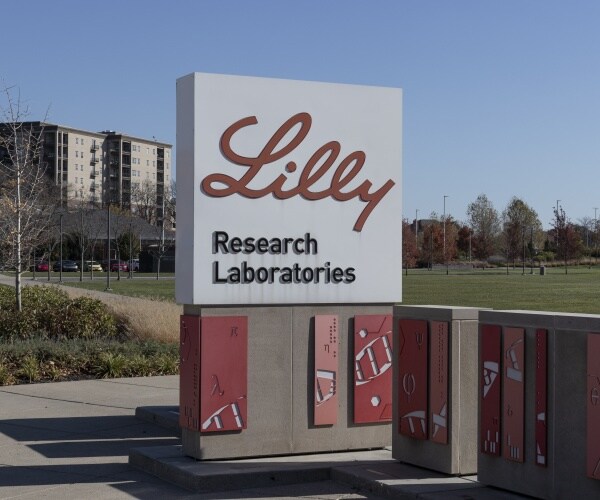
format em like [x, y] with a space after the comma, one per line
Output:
[409, 246]
[568, 240]
[26, 201]
[463, 241]
[485, 223]
[432, 247]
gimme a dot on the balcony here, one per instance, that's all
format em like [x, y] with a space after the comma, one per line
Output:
[94, 160]
[126, 173]
[94, 147]
[114, 163]
[93, 186]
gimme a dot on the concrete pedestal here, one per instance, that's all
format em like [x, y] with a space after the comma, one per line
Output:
[459, 454]
[559, 467]
[280, 387]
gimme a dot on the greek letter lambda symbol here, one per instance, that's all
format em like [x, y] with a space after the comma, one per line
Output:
[216, 387]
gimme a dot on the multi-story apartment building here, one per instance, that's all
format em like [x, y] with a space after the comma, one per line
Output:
[104, 167]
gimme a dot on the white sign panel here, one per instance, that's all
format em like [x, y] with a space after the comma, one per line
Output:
[288, 192]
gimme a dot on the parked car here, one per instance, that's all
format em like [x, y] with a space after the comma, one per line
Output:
[135, 264]
[67, 266]
[119, 265]
[92, 265]
[40, 267]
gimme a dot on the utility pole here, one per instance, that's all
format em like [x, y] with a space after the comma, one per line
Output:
[108, 288]
[417, 230]
[445, 260]
[60, 251]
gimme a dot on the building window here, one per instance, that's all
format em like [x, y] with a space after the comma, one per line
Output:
[76, 179]
[76, 154]
[76, 140]
[153, 151]
[153, 163]
[81, 181]
[82, 141]
[147, 163]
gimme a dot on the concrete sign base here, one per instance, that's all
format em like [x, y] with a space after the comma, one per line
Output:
[280, 397]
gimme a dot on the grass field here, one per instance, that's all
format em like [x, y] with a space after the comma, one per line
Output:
[578, 291]
[147, 287]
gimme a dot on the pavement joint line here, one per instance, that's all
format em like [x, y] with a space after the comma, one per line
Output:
[117, 382]
[68, 400]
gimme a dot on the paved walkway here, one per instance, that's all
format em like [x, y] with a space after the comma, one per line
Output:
[68, 440]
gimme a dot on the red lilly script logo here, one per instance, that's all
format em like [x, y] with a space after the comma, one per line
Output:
[316, 167]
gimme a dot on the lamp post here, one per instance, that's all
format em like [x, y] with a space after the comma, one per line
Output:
[417, 230]
[596, 233]
[444, 219]
[60, 251]
[108, 288]
[130, 251]
[556, 231]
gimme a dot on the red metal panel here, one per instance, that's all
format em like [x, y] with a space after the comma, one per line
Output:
[438, 382]
[372, 368]
[541, 397]
[412, 363]
[489, 426]
[223, 373]
[593, 405]
[326, 369]
[189, 372]
[514, 394]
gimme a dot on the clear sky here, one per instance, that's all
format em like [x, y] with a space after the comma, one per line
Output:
[500, 97]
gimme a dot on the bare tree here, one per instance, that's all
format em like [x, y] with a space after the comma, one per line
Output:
[143, 200]
[26, 206]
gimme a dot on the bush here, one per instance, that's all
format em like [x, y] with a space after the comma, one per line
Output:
[48, 312]
[41, 360]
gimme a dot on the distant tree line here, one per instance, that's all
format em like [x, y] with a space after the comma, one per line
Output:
[515, 237]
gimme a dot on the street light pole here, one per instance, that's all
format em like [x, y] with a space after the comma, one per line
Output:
[417, 230]
[108, 288]
[60, 251]
[444, 218]
[596, 233]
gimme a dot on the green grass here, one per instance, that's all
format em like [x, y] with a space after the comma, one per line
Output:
[146, 288]
[578, 291]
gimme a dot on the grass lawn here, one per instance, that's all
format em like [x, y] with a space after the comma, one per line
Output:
[578, 291]
[149, 287]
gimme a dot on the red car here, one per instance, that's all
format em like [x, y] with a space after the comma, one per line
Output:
[119, 265]
[41, 266]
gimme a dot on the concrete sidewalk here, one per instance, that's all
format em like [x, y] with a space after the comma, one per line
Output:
[74, 440]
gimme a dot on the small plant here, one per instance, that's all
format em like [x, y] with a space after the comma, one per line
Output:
[110, 365]
[30, 368]
[167, 365]
[6, 377]
[140, 366]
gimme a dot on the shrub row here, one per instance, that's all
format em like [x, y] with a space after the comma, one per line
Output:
[49, 313]
[40, 360]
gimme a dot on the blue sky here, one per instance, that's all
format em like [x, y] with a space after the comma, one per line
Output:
[500, 97]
